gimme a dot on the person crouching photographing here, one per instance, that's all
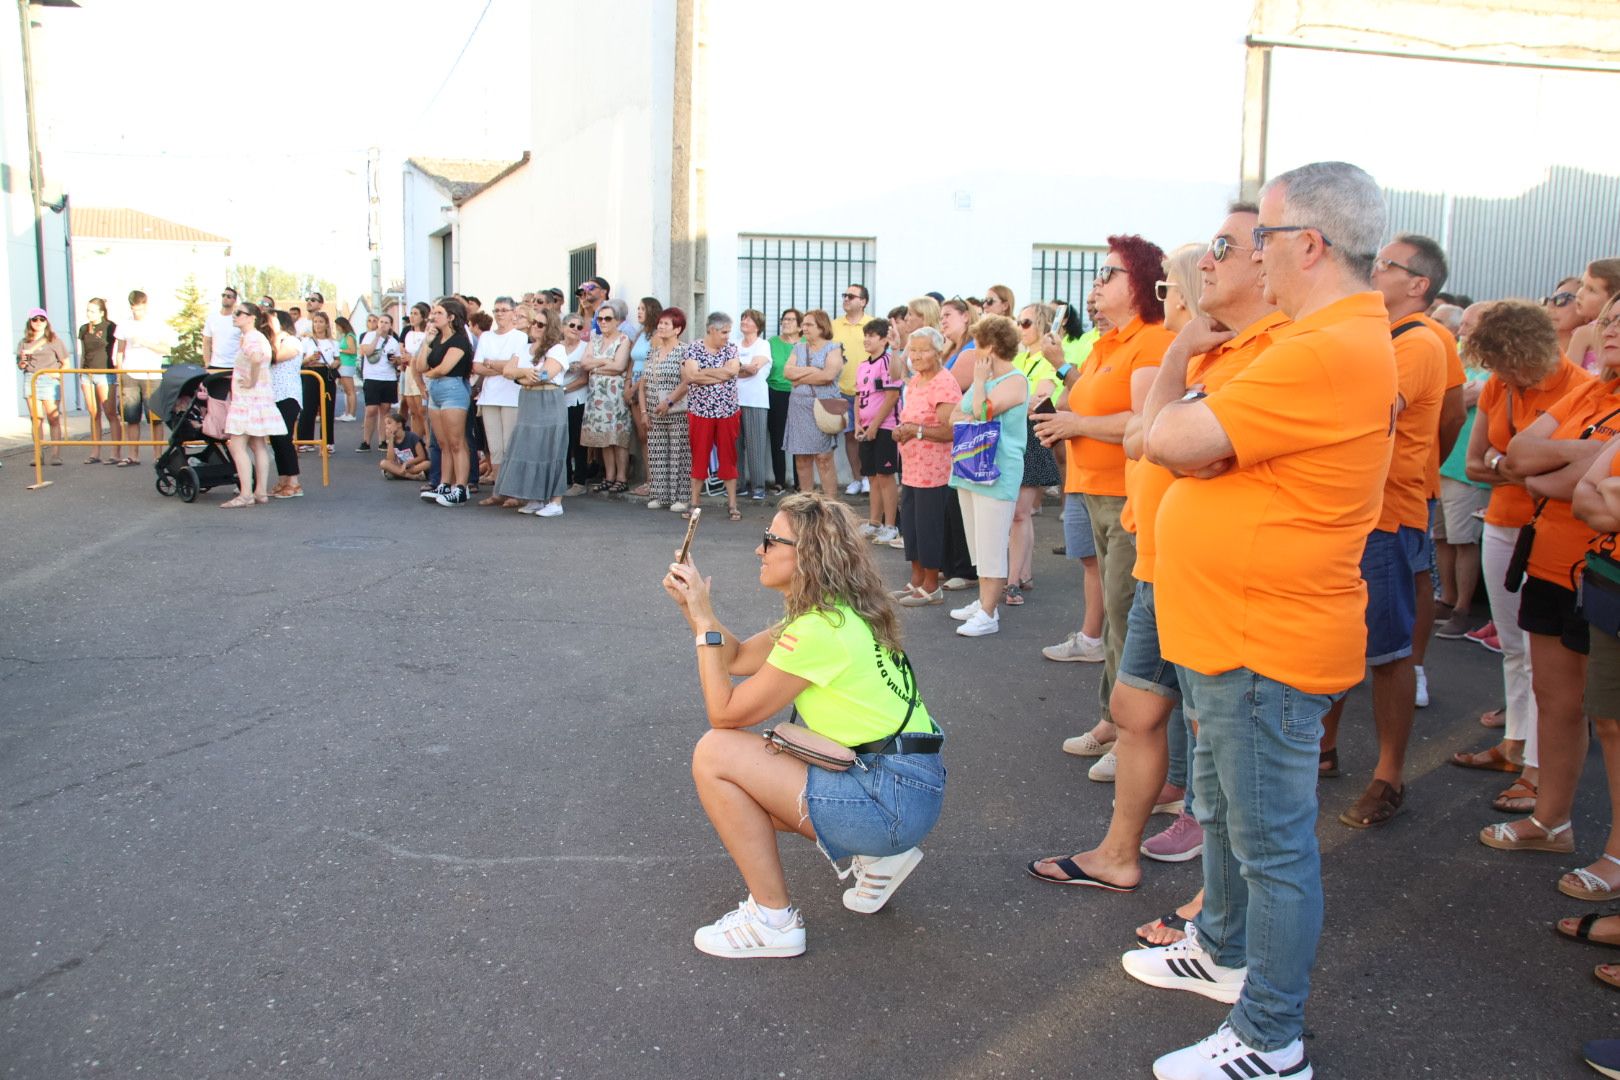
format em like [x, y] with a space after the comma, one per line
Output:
[835, 656]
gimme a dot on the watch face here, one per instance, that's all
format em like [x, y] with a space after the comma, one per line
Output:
[714, 637]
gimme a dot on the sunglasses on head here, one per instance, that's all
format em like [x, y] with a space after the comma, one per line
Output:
[772, 538]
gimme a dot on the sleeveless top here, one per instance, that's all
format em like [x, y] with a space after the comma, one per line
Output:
[1009, 446]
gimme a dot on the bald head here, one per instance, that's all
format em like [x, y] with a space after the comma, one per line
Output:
[1470, 318]
[1448, 316]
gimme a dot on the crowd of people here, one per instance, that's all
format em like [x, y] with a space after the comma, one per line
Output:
[1285, 456]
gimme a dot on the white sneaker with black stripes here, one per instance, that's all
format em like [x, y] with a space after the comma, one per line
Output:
[1185, 965]
[1225, 1056]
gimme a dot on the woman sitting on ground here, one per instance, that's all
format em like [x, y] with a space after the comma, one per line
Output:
[404, 453]
[836, 658]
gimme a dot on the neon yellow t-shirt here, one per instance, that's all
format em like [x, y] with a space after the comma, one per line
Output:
[1075, 350]
[853, 340]
[858, 692]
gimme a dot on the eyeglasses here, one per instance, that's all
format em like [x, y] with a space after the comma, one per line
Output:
[239, 314]
[1558, 299]
[500, 308]
[1381, 265]
[38, 318]
[1161, 290]
[1220, 246]
[1263, 231]
[1026, 323]
[606, 318]
[772, 538]
[1106, 273]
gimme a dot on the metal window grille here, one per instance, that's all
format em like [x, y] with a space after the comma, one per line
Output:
[581, 268]
[806, 272]
[1064, 272]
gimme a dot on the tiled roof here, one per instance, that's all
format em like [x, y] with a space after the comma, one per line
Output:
[124, 224]
[461, 177]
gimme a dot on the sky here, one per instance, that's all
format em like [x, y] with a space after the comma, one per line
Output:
[261, 137]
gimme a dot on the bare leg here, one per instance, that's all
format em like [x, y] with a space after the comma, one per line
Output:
[747, 794]
[885, 496]
[1394, 693]
[1467, 574]
[1424, 628]
[1608, 733]
[1092, 626]
[1445, 561]
[829, 475]
[1021, 540]
[242, 459]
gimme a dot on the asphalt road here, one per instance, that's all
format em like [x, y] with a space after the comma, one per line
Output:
[353, 786]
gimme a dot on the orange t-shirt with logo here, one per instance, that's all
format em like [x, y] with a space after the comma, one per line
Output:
[1456, 376]
[1420, 368]
[1511, 505]
[1260, 567]
[1561, 537]
[1207, 372]
[1096, 467]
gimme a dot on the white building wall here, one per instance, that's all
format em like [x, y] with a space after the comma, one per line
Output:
[602, 142]
[496, 233]
[424, 204]
[112, 268]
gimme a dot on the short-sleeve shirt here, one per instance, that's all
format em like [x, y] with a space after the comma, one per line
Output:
[405, 451]
[1508, 412]
[858, 691]
[1206, 372]
[1420, 369]
[48, 354]
[781, 349]
[1456, 376]
[494, 348]
[1036, 368]
[927, 464]
[1260, 567]
[379, 366]
[872, 381]
[1455, 466]
[285, 381]
[95, 344]
[853, 340]
[440, 348]
[1561, 537]
[140, 337]
[716, 400]
[221, 329]
[752, 391]
[1097, 467]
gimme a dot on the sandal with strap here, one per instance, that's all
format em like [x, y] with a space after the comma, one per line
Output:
[1171, 921]
[1377, 806]
[1327, 764]
[734, 514]
[1012, 596]
[1581, 929]
[1504, 837]
[1518, 797]
[1493, 759]
[1587, 885]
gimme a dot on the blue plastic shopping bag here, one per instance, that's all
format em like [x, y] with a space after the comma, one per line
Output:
[973, 451]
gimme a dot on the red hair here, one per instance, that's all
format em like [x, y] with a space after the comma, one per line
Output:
[1144, 261]
[676, 317]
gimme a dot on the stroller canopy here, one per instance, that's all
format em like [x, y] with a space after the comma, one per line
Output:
[178, 380]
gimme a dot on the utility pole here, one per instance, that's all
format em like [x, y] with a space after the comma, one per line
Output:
[36, 178]
[374, 224]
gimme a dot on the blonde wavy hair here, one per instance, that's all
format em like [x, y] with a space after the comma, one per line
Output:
[834, 566]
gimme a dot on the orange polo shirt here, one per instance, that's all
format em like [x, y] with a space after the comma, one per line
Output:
[1096, 467]
[1511, 505]
[1207, 372]
[1455, 377]
[1562, 538]
[1420, 368]
[1260, 567]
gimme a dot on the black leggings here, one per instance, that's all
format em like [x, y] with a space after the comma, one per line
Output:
[306, 417]
[776, 424]
[286, 454]
[579, 457]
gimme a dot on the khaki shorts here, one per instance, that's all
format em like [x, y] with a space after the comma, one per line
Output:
[1603, 677]
[1458, 502]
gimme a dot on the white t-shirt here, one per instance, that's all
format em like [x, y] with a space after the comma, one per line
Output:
[304, 327]
[220, 328]
[379, 365]
[494, 348]
[148, 342]
[570, 363]
[752, 393]
[559, 354]
[328, 350]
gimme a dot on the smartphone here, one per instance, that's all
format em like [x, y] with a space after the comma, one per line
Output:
[1045, 407]
[691, 531]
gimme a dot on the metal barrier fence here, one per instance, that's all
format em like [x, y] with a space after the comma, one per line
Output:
[38, 425]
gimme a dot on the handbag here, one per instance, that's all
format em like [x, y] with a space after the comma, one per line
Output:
[1519, 562]
[796, 740]
[829, 414]
[973, 451]
[1600, 589]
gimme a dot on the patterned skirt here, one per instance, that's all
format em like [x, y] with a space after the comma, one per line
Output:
[607, 414]
[253, 411]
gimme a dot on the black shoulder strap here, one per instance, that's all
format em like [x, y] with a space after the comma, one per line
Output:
[1403, 328]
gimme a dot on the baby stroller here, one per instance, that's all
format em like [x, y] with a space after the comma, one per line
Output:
[193, 403]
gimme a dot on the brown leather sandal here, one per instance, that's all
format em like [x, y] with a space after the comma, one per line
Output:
[1518, 797]
[1377, 806]
[1493, 759]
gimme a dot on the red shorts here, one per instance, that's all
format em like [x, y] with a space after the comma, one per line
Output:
[705, 434]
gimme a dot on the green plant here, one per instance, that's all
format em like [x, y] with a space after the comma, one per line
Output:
[188, 324]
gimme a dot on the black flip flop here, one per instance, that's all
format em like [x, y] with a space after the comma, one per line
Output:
[1583, 931]
[1171, 921]
[1077, 876]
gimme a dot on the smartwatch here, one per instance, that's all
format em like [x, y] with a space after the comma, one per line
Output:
[711, 638]
[1063, 372]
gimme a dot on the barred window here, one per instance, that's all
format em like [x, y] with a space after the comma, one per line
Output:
[1064, 272]
[581, 268]
[806, 272]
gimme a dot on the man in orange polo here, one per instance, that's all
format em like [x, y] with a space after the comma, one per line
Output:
[1259, 599]
[1399, 553]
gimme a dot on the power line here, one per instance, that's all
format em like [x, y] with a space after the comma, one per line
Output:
[457, 61]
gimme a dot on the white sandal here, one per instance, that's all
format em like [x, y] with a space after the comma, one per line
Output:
[1591, 886]
[1503, 837]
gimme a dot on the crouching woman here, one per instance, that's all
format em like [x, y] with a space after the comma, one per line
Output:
[835, 657]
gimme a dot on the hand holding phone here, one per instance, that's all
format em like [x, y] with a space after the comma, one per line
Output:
[683, 555]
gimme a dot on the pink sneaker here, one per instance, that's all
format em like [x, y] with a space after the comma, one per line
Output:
[1480, 635]
[1182, 840]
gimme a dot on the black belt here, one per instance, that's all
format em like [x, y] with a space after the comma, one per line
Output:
[907, 742]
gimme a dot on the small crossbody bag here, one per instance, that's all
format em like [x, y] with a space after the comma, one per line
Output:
[1519, 563]
[796, 740]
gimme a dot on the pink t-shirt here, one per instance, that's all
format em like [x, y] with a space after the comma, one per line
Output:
[871, 380]
[927, 464]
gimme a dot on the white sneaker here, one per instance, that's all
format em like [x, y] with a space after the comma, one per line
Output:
[980, 624]
[1422, 688]
[887, 534]
[347, 418]
[867, 529]
[854, 488]
[1224, 1055]
[531, 506]
[1184, 965]
[744, 933]
[654, 504]
[897, 541]
[1086, 745]
[866, 486]
[677, 508]
[1076, 647]
[876, 879]
[965, 612]
[1103, 772]
[550, 510]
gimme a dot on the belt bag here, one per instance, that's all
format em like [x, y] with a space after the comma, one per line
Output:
[1600, 590]
[811, 748]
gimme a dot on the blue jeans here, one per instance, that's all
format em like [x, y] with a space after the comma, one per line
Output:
[1182, 744]
[883, 809]
[1254, 769]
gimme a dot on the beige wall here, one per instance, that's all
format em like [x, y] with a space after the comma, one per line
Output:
[496, 230]
[111, 268]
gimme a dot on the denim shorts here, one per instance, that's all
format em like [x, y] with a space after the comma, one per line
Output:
[1389, 564]
[448, 393]
[1077, 536]
[849, 425]
[47, 387]
[1140, 665]
[883, 809]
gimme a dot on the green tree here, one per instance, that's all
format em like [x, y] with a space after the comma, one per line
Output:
[188, 324]
[287, 287]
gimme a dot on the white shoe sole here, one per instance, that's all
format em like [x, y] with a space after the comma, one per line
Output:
[1179, 857]
[764, 952]
[857, 903]
[1226, 993]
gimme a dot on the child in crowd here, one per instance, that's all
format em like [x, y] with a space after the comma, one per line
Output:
[878, 382]
[404, 454]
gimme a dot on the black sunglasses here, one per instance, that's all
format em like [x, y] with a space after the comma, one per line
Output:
[1558, 299]
[853, 296]
[1105, 274]
[772, 538]
[1026, 323]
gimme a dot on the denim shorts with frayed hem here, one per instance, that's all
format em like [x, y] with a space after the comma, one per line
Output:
[1077, 527]
[883, 809]
[448, 393]
[1141, 666]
